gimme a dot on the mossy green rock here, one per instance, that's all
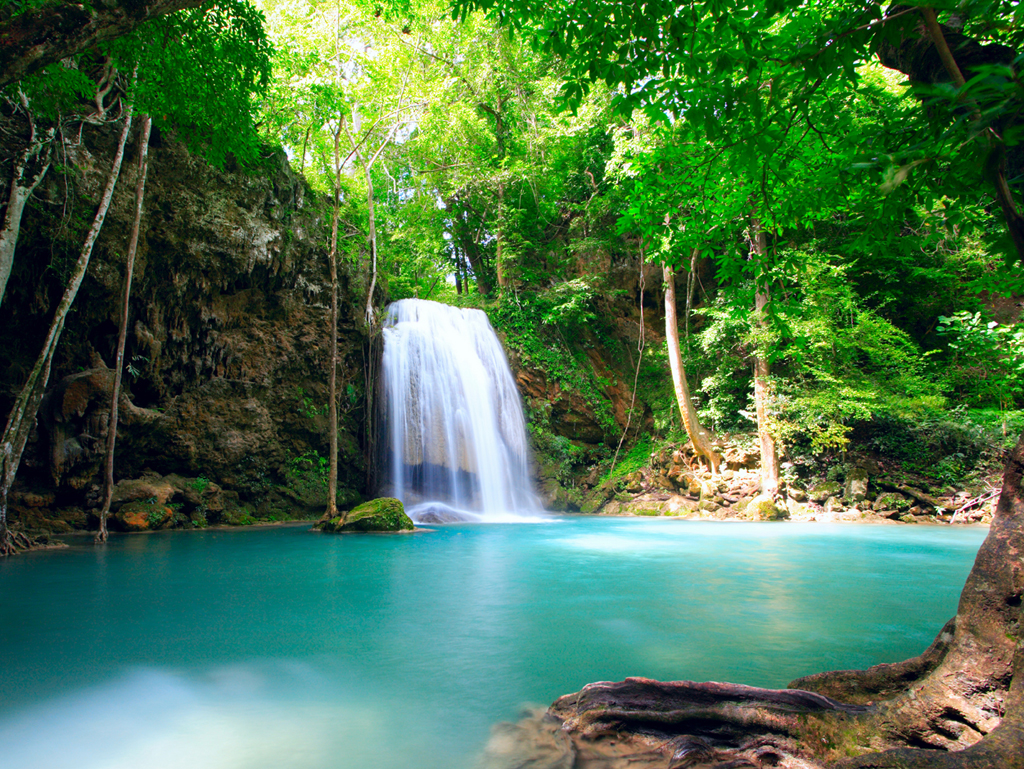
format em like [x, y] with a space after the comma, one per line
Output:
[384, 514]
[765, 509]
[819, 492]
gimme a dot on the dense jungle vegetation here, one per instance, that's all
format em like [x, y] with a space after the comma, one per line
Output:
[836, 223]
[785, 233]
[836, 196]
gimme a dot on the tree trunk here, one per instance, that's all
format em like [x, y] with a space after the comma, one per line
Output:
[24, 180]
[499, 256]
[122, 334]
[469, 247]
[332, 375]
[372, 243]
[925, 54]
[762, 374]
[698, 435]
[23, 415]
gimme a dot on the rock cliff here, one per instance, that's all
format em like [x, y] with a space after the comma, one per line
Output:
[227, 348]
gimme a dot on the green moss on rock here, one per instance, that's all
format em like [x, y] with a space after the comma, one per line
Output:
[819, 492]
[384, 514]
[765, 509]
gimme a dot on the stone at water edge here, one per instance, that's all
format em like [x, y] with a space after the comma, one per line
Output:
[384, 514]
[763, 508]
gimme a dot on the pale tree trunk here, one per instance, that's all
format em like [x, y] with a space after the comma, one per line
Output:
[29, 169]
[691, 285]
[499, 256]
[698, 435]
[332, 376]
[371, 241]
[762, 373]
[122, 335]
[23, 415]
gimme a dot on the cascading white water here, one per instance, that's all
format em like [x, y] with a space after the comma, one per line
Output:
[456, 437]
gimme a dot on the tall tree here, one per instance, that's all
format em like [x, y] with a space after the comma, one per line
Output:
[122, 333]
[698, 435]
[28, 169]
[762, 369]
[23, 415]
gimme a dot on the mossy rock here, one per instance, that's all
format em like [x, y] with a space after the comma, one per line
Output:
[890, 500]
[819, 492]
[384, 514]
[593, 502]
[765, 509]
[143, 515]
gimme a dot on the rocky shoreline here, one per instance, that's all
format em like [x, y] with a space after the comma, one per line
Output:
[862, 488]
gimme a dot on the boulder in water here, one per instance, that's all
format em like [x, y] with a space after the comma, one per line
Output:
[384, 514]
[435, 512]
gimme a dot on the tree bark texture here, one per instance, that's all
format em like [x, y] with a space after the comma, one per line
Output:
[23, 415]
[698, 435]
[122, 334]
[29, 169]
[762, 374]
[32, 40]
[332, 374]
[371, 240]
[960, 705]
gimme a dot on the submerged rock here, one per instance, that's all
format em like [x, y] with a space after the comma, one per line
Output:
[384, 514]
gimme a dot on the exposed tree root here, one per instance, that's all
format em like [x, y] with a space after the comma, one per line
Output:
[14, 542]
[6, 543]
[959, 705]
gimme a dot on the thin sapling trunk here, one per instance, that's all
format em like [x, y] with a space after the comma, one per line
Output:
[129, 272]
[698, 435]
[23, 415]
[762, 374]
[332, 376]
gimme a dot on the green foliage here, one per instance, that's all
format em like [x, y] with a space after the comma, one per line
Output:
[253, 479]
[310, 466]
[308, 406]
[571, 303]
[134, 367]
[200, 73]
[200, 484]
[837, 362]
[986, 359]
[156, 517]
[945, 445]
[558, 453]
[634, 459]
[521, 318]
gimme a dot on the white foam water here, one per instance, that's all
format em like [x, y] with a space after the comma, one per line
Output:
[456, 436]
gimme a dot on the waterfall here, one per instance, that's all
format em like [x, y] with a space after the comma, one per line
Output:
[454, 428]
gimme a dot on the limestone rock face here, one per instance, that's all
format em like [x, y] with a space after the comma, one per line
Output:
[384, 514]
[227, 343]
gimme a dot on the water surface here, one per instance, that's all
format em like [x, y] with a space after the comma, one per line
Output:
[284, 648]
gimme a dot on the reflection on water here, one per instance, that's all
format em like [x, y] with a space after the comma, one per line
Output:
[279, 647]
